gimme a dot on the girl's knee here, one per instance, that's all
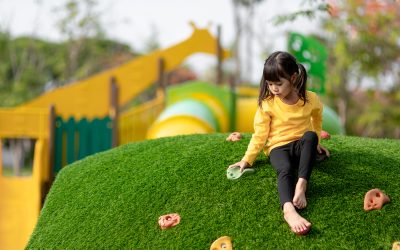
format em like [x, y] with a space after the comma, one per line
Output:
[310, 136]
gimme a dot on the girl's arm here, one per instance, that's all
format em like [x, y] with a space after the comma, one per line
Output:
[262, 122]
[316, 116]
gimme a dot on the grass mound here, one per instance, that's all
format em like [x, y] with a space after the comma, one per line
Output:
[112, 200]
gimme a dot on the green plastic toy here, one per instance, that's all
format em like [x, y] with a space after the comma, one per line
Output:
[234, 173]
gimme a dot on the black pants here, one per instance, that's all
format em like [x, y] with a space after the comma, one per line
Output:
[297, 155]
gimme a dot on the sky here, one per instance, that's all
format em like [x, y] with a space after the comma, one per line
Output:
[134, 21]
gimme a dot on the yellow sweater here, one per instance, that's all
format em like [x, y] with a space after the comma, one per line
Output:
[277, 124]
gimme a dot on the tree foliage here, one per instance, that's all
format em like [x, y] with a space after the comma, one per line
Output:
[319, 6]
[362, 37]
[243, 12]
[30, 65]
[79, 21]
[364, 47]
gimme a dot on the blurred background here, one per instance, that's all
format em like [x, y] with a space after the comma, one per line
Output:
[47, 44]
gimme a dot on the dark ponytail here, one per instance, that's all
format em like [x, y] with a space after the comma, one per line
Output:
[301, 82]
[264, 91]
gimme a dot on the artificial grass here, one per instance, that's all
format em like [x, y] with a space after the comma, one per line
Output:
[112, 200]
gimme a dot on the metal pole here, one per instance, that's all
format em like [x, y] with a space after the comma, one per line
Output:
[114, 113]
[219, 57]
[52, 127]
[45, 188]
[161, 74]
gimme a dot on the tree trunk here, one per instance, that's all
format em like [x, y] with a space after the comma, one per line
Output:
[236, 45]
[249, 41]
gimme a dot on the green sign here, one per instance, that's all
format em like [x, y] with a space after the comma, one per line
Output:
[313, 55]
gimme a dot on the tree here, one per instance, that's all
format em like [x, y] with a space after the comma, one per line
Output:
[243, 11]
[30, 63]
[79, 21]
[364, 46]
[362, 39]
[152, 42]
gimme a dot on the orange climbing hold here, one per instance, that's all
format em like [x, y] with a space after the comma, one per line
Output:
[168, 220]
[325, 135]
[375, 199]
[222, 243]
[235, 136]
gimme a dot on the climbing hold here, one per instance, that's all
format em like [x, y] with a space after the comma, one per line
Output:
[235, 136]
[375, 199]
[168, 220]
[222, 243]
[234, 173]
[325, 135]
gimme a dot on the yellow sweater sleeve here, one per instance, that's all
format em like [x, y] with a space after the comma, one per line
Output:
[259, 138]
[316, 116]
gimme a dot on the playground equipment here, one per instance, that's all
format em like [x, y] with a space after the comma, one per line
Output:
[202, 108]
[91, 96]
[235, 173]
[198, 107]
[21, 197]
[169, 220]
[86, 121]
[375, 199]
[195, 107]
[222, 243]
[235, 136]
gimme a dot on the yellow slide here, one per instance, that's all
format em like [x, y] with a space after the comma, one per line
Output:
[90, 97]
[200, 107]
[194, 108]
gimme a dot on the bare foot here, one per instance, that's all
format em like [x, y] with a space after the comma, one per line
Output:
[299, 199]
[297, 224]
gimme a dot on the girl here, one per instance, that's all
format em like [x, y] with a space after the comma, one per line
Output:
[287, 126]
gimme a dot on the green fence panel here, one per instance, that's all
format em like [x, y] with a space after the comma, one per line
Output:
[106, 133]
[75, 140]
[83, 128]
[70, 130]
[95, 132]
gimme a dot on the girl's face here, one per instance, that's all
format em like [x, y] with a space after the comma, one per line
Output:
[282, 89]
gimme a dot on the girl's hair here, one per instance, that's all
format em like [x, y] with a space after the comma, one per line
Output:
[282, 65]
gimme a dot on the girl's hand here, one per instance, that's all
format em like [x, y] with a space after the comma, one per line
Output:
[241, 164]
[321, 149]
